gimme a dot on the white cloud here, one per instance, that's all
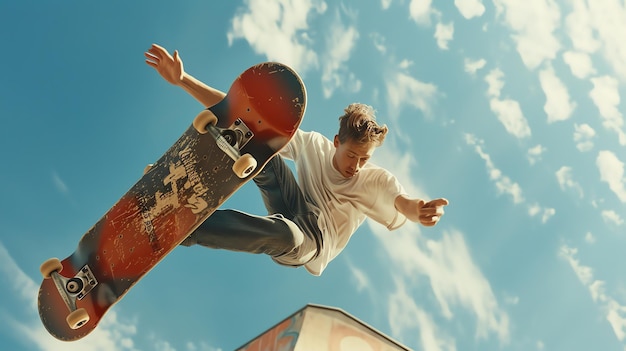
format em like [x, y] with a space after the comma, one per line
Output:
[340, 42]
[534, 154]
[379, 42]
[202, 346]
[590, 238]
[508, 111]
[559, 106]
[20, 283]
[495, 83]
[584, 273]
[404, 90]
[533, 23]
[405, 317]
[546, 213]
[405, 64]
[611, 216]
[534, 209]
[605, 95]
[612, 172]
[511, 300]
[582, 136]
[470, 8]
[579, 63]
[472, 67]
[510, 114]
[504, 184]
[59, 183]
[566, 180]
[609, 23]
[275, 29]
[421, 11]
[615, 312]
[579, 27]
[454, 278]
[444, 34]
[360, 278]
[599, 26]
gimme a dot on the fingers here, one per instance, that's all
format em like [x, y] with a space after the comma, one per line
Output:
[151, 59]
[432, 211]
[157, 53]
[428, 217]
[429, 221]
[437, 202]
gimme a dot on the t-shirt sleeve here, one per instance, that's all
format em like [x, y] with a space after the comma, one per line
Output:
[292, 150]
[383, 209]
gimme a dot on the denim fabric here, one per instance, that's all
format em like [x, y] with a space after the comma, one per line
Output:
[289, 233]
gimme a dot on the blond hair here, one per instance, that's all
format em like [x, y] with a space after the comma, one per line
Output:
[358, 124]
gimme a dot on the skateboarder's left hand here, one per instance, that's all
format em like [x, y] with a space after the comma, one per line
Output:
[431, 211]
[426, 213]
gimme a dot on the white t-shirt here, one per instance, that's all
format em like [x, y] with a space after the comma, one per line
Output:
[342, 204]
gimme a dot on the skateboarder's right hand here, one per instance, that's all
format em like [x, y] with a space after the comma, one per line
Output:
[169, 67]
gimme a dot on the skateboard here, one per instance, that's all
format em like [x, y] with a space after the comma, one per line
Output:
[226, 145]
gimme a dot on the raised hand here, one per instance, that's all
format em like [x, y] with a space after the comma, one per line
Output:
[169, 67]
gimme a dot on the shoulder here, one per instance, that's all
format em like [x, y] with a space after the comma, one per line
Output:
[305, 137]
[376, 175]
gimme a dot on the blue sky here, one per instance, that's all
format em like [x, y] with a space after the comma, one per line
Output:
[510, 109]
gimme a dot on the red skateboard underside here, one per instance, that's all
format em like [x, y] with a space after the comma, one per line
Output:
[188, 183]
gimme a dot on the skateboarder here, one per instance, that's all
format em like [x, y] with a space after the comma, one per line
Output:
[310, 220]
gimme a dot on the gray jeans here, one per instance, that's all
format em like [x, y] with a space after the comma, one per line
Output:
[289, 233]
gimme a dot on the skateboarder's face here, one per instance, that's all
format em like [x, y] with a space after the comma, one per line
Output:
[350, 156]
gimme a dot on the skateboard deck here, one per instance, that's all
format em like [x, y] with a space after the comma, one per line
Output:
[227, 145]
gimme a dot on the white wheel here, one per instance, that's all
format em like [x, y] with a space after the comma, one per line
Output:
[245, 165]
[148, 168]
[49, 266]
[77, 318]
[203, 119]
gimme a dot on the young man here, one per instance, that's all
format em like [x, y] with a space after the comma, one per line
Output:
[310, 221]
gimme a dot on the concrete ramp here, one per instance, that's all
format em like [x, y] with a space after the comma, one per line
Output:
[322, 328]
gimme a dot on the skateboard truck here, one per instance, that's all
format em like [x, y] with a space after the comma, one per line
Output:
[230, 140]
[71, 289]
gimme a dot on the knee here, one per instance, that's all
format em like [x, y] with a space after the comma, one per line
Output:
[295, 237]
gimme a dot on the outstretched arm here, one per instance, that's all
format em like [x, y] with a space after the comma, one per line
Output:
[417, 210]
[172, 70]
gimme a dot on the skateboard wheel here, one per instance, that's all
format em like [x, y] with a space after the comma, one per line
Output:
[244, 165]
[49, 266]
[202, 121]
[77, 318]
